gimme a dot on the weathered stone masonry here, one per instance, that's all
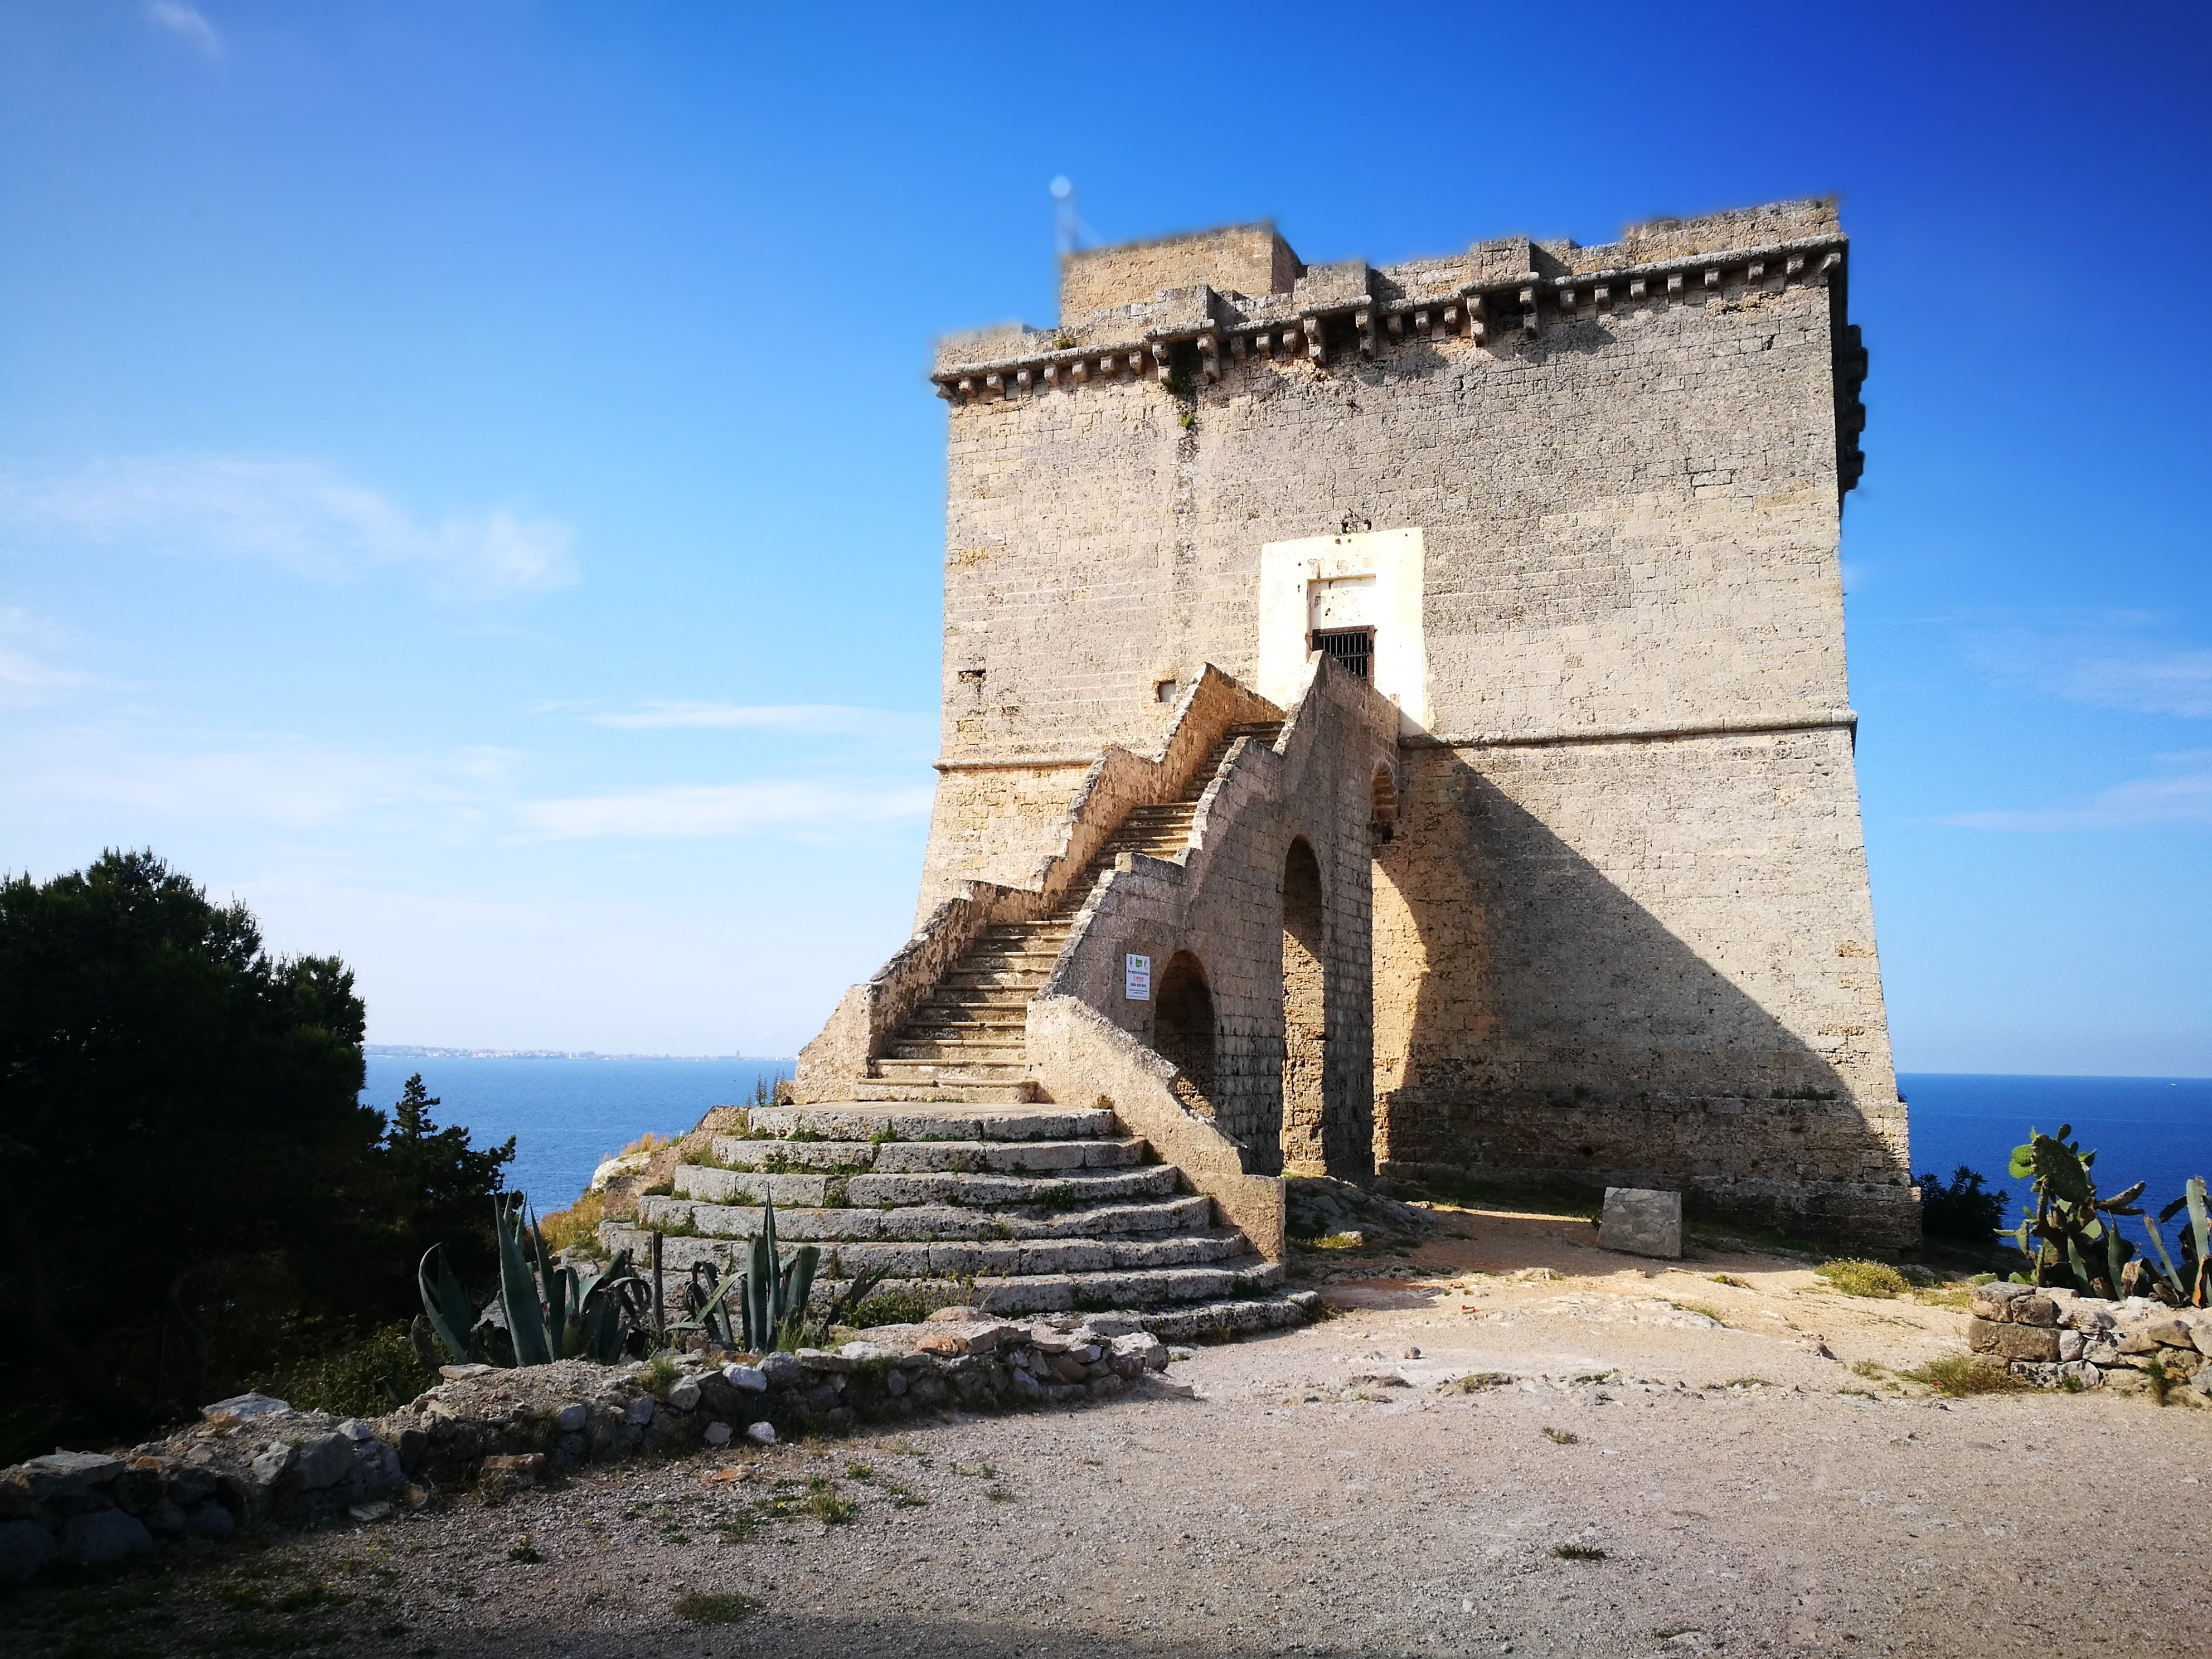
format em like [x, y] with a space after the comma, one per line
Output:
[1621, 930]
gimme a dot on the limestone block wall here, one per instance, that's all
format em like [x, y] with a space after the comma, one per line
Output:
[1680, 996]
[1224, 905]
[1624, 933]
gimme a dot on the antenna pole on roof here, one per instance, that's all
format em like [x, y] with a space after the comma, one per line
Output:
[1063, 217]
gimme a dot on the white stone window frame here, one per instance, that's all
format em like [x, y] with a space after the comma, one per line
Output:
[1288, 571]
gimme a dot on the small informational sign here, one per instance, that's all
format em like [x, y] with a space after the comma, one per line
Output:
[1137, 979]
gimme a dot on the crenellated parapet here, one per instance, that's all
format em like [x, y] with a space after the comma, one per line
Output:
[1495, 294]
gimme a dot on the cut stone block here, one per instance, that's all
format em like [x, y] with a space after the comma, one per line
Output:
[1642, 1222]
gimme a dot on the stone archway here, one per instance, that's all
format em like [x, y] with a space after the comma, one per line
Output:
[1184, 1031]
[1305, 1003]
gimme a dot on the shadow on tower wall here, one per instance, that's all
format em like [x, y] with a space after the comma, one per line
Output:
[1561, 1036]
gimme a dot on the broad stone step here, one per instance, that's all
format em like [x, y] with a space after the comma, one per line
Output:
[975, 978]
[1128, 1288]
[925, 1156]
[920, 1091]
[1070, 1188]
[1028, 1257]
[1118, 1288]
[844, 1121]
[930, 1223]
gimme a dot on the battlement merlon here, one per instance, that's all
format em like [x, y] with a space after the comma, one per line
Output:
[1241, 279]
[1188, 306]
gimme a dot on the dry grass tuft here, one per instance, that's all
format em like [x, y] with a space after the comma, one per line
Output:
[1959, 1375]
[1854, 1277]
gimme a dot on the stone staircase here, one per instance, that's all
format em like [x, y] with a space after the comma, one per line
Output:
[964, 1043]
[1018, 1208]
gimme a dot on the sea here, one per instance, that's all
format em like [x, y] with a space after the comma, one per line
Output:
[2153, 1129]
[567, 1112]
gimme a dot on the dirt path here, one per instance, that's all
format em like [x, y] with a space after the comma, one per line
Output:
[1722, 1488]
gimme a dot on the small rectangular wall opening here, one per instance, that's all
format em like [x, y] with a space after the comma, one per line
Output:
[1354, 648]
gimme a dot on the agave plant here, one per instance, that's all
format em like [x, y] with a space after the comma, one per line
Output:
[2070, 1236]
[2190, 1284]
[770, 1294]
[551, 1310]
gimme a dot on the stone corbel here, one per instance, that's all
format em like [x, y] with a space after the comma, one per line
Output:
[1396, 323]
[1021, 378]
[1637, 289]
[1363, 320]
[1793, 266]
[1601, 297]
[1160, 368]
[1237, 347]
[1478, 326]
[1713, 280]
[1528, 318]
[1051, 374]
[1079, 370]
[1673, 285]
[995, 383]
[1310, 326]
[1209, 355]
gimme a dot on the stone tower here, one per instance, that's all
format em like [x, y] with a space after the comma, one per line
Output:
[1520, 565]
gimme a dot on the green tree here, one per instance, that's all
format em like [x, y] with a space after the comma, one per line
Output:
[181, 1140]
[430, 1186]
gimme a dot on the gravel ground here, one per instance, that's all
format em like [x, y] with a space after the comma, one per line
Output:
[1647, 1480]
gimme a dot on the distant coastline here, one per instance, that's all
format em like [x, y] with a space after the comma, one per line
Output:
[416, 1051]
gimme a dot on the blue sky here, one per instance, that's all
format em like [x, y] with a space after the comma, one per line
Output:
[466, 484]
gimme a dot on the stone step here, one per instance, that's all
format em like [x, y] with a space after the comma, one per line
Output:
[985, 1003]
[1025, 964]
[935, 1016]
[934, 1070]
[962, 1056]
[927, 1157]
[1070, 1189]
[917, 1091]
[854, 1120]
[1235, 1276]
[1125, 1287]
[1024, 1257]
[1025, 980]
[930, 1223]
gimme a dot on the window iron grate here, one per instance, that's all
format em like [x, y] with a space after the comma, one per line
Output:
[1352, 648]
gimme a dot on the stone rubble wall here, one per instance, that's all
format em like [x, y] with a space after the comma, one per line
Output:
[255, 1459]
[2055, 1338]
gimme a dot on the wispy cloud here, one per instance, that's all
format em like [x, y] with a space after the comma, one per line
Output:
[722, 810]
[293, 513]
[186, 20]
[2184, 798]
[804, 719]
[27, 680]
[2110, 664]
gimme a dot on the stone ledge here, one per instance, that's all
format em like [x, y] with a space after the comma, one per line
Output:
[255, 1459]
